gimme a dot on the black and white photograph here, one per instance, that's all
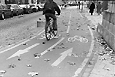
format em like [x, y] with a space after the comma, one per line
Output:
[57, 38]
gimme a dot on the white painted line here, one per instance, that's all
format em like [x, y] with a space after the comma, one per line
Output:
[21, 43]
[87, 57]
[13, 46]
[81, 67]
[69, 24]
[52, 47]
[80, 15]
[62, 57]
[92, 43]
[18, 53]
[38, 34]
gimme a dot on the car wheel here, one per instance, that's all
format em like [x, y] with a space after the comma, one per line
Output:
[3, 16]
[17, 13]
[11, 14]
[28, 12]
[22, 13]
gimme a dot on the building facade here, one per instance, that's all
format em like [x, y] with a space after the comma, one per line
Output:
[18, 1]
[2, 1]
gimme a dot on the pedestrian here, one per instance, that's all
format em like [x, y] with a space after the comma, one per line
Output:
[79, 4]
[104, 5]
[82, 5]
[99, 7]
[92, 7]
[88, 5]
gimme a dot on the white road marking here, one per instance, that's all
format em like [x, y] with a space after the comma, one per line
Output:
[38, 34]
[87, 57]
[52, 46]
[80, 15]
[69, 24]
[21, 42]
[92, 43]
[18, 53]
[62, 57]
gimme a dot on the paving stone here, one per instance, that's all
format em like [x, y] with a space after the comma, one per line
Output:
[99, 66]
[95, 75]
[109, 67]
[90, 66]
[88, 70]
[95, 71]
[94, 58]
[109, 74]
[102, 72]
[86, 74]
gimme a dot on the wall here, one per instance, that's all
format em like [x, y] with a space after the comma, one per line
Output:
[107, 28]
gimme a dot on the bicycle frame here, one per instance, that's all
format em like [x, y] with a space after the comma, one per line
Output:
[49, 33]
[50, 22]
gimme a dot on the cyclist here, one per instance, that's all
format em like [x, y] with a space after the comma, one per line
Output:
[49, 11]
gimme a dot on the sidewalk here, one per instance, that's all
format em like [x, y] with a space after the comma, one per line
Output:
[95, 18]
[103, 62]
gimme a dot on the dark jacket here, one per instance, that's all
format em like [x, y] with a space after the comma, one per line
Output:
[92, 6]
[99, 6]
[51, 8]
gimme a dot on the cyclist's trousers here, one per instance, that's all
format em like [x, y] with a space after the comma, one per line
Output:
[47, 15]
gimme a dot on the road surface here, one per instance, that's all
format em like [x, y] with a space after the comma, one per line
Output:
[65, 56]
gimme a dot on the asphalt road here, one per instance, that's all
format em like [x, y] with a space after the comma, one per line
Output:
[19, 20]
[18, 28]
[65, 56]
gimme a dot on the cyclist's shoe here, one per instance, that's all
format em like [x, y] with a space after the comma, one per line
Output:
[56, 36]
[55, 29]
[55, 32]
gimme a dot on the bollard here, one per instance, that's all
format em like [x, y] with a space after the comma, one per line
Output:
[40, 23]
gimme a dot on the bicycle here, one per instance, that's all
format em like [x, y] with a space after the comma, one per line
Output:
[49, 32]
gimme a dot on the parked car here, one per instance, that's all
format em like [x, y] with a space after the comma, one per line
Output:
[16, 9]
[40, 6]
[26, 8]
[5, 11]
[34, 7]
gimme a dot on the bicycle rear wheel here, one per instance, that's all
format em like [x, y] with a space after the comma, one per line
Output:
[48, 32]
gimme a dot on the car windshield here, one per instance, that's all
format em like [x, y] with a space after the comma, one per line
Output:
[15, 6]
[3, 7]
